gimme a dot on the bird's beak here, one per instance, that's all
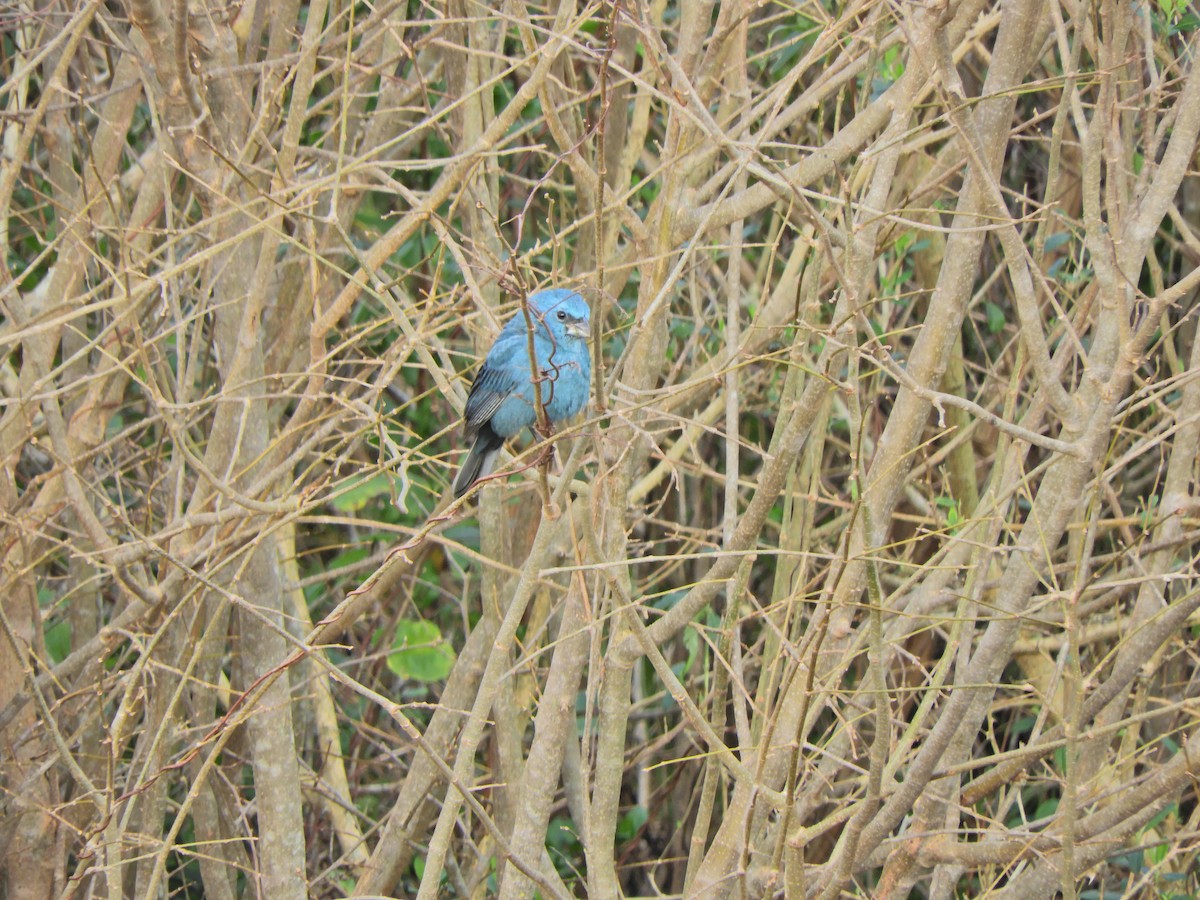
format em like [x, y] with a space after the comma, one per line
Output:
[577, 329]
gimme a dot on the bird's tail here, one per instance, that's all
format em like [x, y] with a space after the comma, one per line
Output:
[479, 463]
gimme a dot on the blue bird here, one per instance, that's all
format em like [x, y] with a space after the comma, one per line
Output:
[502, 399]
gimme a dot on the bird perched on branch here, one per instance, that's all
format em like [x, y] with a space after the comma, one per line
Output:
[503, 400]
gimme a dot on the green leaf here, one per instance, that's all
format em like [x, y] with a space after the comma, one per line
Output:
[366, 489]
[691, 641]
[1056, 240]
[1046, 808]
[995, 317]
[419, 652]
[950, 505]
[1156, 848]
[58, 640]
[1173, 9]
[348, 558]
[631, 822]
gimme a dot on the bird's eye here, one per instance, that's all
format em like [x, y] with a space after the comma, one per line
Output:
[562, 315]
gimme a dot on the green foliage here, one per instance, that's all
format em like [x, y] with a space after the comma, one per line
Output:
[632, 822]
[953, 513]
[58, 640]
[1173, 10]
[566, 849]
[364, 490]
[419, 651]
[996, 319]
[786, 43]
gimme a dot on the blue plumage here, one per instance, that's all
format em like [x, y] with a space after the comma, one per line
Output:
[502, 399]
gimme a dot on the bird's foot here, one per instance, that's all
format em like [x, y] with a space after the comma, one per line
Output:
[545, 458]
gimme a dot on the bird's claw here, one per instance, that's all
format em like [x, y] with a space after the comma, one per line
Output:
[545, 457]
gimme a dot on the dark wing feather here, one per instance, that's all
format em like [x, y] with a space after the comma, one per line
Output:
[492, 386]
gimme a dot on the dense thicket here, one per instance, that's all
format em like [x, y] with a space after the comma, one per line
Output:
[869, 569]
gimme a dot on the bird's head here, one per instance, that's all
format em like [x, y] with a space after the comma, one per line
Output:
[563, 311]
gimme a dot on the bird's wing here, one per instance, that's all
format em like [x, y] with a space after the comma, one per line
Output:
[504, 373]
[488, 392]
